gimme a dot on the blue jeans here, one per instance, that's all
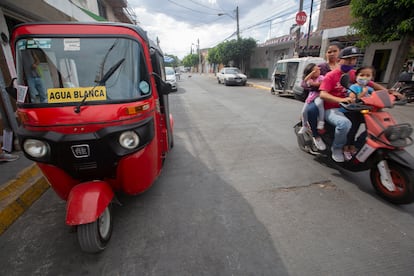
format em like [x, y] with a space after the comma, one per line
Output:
[36, 88]
[312, 113]
[342, 126]
[310, 116]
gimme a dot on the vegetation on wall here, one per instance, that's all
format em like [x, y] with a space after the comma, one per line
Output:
[383, 20]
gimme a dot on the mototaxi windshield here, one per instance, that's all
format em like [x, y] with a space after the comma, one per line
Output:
[73, 70]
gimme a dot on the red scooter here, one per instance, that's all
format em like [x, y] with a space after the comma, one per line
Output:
[94, 115]
[380, 147]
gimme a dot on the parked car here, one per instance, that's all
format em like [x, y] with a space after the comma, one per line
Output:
[287, 76]
[171, 77]
[231, 76]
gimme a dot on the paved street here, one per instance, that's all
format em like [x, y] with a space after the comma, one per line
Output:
[236, 197]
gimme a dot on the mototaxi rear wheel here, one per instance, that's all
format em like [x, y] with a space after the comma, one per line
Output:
[403, 179]
[93, 237]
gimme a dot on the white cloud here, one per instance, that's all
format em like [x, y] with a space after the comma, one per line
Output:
[181, 23]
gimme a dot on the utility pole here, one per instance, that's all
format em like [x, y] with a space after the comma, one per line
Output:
[298, 30]
[237, 19]
[199, 56]
[309, 28]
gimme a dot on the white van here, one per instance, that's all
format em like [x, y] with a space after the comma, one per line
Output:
[287, 76]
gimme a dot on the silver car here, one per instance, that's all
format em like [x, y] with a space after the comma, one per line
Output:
[171, 77]
[231, 76]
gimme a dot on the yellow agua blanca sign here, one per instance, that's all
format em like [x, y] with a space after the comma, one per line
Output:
[76, 94]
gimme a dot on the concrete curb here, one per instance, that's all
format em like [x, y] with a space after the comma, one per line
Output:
[257, 86]
[19, 194]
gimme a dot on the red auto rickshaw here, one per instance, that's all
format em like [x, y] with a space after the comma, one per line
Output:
[93, 109]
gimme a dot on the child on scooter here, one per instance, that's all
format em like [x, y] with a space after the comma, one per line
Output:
[358, 90]
[312, 79]
[363, 76]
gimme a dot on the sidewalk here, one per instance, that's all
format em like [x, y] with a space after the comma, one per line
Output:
[21, 184]
[264, 84]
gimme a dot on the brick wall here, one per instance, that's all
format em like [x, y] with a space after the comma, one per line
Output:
[336, 17]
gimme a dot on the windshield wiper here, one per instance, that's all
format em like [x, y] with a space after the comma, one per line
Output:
[101, 82]
[111, 71]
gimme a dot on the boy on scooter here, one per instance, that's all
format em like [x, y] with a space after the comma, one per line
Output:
[333, 93]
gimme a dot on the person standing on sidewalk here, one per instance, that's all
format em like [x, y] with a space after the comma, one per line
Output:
[5, 156]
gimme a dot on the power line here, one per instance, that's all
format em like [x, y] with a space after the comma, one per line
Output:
[197, 3]
[184, 7]
[273, 17]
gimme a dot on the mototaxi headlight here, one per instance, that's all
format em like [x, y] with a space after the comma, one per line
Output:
[129, 139]
[36, 148]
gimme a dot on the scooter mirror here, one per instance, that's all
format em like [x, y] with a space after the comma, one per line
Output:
[345, 81]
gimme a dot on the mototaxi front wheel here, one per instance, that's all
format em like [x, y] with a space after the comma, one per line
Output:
[403, 179]
[93, 237]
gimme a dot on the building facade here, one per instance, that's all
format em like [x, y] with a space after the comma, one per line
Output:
[333, 25]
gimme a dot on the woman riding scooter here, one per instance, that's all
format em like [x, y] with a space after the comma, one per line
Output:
[333, 94]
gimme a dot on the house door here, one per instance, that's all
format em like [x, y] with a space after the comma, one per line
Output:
[380, 62]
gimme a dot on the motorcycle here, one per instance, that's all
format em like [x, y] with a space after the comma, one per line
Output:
[405, 86]
[92, 103]
[380, 147]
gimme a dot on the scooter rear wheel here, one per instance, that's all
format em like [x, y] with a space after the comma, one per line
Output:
[93, 237]
[403, 179]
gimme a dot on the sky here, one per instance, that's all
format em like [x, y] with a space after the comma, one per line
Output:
[180, 25]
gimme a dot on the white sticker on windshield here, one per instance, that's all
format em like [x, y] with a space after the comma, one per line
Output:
[144, 86]
[71, 44]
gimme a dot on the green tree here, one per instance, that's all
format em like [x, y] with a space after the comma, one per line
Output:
[246, 50]
[213, 57]
[235, 52]
[174, 63]
[385, 21]
[190, 60]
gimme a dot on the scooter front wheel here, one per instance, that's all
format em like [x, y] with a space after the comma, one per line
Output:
[93, 237]
[403, 179]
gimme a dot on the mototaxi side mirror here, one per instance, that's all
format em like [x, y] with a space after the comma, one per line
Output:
[166, 88]
[11, 90]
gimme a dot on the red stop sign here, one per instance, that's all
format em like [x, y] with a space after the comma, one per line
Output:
[301, 18]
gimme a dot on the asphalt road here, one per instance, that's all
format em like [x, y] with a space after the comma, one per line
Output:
[236, 197]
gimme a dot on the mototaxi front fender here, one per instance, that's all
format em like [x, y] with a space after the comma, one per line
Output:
[87, 201]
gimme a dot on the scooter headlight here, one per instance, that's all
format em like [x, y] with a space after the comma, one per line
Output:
[393, 135]
[401, 131]
[406, 132]
[129, 140]
[36, 148]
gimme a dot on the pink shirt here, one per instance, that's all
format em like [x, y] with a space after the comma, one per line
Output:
[314, 91]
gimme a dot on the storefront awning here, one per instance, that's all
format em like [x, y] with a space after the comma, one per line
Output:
[91, 14]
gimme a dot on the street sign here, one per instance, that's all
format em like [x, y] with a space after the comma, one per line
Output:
[301, 18]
